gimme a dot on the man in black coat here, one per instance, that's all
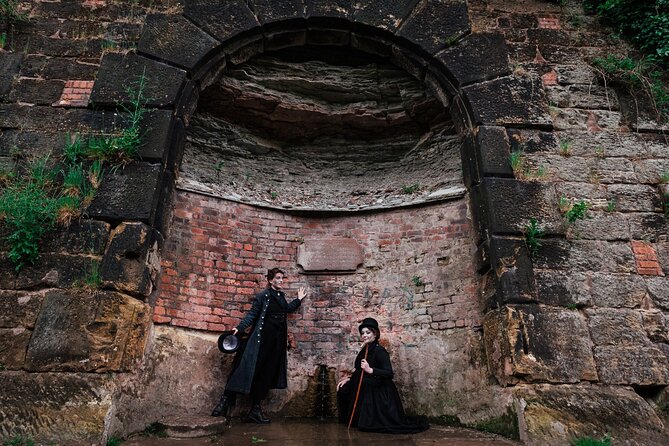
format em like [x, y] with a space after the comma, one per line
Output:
[263, 363]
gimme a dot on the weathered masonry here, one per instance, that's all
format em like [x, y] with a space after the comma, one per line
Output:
[364, 147]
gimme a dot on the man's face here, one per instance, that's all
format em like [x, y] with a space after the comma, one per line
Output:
[277, 281]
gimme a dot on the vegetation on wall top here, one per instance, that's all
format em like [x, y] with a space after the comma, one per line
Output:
[39, 193]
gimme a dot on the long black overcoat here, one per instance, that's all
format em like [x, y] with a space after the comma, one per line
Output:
[242, 377]
[379, 407]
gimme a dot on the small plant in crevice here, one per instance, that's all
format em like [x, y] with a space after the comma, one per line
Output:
[517, 162]
[93, 278]
[611, 205]
[10, 14]
[19, 441]
[565, 148]
[577, 211]
[3, 40]
[273, 194]
[114, 441]
[664, 177]
[410, 189]
[588, 441]
[417, 281]
[600, 152]
[533, 234]
[572, 306]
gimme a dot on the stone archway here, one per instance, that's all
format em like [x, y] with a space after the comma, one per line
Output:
[181, 55]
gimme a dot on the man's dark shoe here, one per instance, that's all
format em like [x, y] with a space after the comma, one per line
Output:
[222, 408]
[256, 416]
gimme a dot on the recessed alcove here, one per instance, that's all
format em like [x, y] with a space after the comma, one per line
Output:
[321, 129]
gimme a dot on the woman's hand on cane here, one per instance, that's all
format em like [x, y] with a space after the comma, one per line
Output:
[364, 365]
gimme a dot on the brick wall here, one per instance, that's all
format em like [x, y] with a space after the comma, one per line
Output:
[218, 252]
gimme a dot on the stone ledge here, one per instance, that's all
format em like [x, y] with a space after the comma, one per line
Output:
[193, 426]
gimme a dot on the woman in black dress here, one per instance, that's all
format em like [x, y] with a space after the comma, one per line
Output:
[374, 404]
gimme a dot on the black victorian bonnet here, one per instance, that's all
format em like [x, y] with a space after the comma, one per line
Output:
[369, 323]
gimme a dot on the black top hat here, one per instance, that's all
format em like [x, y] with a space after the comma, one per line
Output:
[369, 323]
[228, 342]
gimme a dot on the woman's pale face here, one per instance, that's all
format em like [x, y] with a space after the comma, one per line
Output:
[367, 335]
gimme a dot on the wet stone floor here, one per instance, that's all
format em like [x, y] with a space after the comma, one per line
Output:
[299, 432]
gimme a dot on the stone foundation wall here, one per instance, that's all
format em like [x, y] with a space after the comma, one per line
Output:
[574, 338]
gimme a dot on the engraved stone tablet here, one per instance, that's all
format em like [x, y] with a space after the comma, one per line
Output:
[329, 254]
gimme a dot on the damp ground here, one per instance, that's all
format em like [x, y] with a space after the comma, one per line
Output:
[299, 432]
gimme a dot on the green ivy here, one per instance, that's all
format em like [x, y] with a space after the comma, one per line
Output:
[645, 23]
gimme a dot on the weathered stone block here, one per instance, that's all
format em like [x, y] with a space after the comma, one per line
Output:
[658, 290]
[647, 226]
[13, 346]
[586, 255]
[575, 74]
[54, 408]
[656, 325]
[175, 40]
[340, 9]
[508, 101]
[118, 72]
[537, 343]
[158, 136]
[560, 289]
[50, 270]
[372, 44]
[36, 91]
[222, 20]
[583, 96]
[512, 203]
[433, 25]
[555, 415]
[125, 265]
[88, 331]
[477, 57]
[617, 290]
[19, 308]
[9, 69]
[531, 141]
[650, 171]
[285, 39]
[128, 194]
[616, 327]
[575, 119]
[510, 259]
[602, 226]
[184, 372]
[268, 11]
[632, 365]
[409, 61]
[80, 237]
[635, 198]
[385, 14]
[492, 151]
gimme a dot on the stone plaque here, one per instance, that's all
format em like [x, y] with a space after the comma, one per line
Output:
[329, 254]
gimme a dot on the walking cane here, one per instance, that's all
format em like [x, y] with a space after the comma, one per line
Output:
[357, 393]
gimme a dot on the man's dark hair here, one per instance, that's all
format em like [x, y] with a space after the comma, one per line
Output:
[271, 273]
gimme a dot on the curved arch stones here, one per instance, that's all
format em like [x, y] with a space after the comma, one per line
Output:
[180, 55]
